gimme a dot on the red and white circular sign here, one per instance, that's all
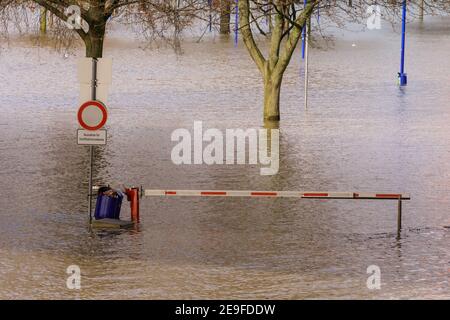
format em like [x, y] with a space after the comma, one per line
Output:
[92, 115]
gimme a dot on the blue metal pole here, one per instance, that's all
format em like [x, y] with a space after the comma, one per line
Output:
[318, 14]
[402, 76]
[304, 33]
[236, 25]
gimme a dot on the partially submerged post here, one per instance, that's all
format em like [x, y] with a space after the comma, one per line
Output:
[304, 32]
[210, 15]
[399, 216]
[133, 195]
[236, 24]
[306, 28]
[305, 53]
[402, 76]
[421, 10]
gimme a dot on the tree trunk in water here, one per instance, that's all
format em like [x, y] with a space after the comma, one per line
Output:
[283, 41]
[421, 9]
[94, 41]
[225, 16]
[43, 21]
[309, 28]
[272, 92]
[94, 47]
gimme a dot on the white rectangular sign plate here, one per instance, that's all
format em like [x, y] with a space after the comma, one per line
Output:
[104, 71]
[92, 138]
[104, 79]
[86, 93]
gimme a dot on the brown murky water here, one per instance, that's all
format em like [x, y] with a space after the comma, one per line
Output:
[361, 133]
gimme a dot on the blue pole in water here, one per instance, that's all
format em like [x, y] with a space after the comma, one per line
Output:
[402, 76]
[318, 14]
[304, 33]
[236, 25]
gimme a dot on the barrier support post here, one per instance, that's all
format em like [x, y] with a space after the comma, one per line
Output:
[399, 217]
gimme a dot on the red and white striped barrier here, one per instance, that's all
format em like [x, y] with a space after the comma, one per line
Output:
[278, 194]
[286, 194]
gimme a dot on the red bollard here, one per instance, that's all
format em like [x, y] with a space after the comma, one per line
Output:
[133, 197]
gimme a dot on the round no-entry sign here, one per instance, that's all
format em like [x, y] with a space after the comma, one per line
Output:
[92, 115]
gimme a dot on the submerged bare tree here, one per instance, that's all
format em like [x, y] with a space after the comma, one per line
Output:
[288, 19]
[225, 16]
[167, 19]
[89, 18]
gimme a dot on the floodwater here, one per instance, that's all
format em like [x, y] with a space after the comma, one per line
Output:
[360, 133]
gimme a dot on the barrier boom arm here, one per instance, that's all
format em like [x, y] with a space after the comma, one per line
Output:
[284, 194]
[277, 194]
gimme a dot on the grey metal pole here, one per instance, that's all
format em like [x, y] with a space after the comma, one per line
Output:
[94, 79]
[91, 148]
[306, 64]
[91, 168]
[399, 217]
